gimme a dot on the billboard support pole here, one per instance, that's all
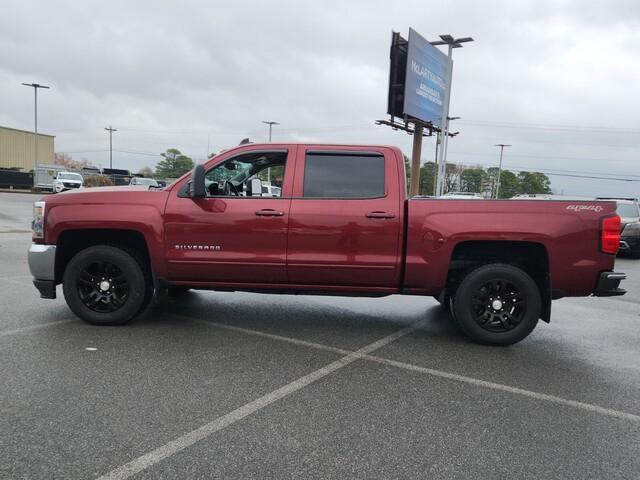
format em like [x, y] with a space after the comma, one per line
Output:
[414, 186]
[442, 161]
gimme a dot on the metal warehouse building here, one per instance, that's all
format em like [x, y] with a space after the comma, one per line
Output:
[16, 149]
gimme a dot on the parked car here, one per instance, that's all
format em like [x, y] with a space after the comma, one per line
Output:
[270, 190]
[342, 226]
[144, 181]
[463, 195]
[67, 181]
[629, 212]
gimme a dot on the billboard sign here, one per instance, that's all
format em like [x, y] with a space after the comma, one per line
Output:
[426, 80]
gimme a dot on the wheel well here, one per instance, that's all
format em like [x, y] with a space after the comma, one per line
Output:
[71, 242]
[529, 256]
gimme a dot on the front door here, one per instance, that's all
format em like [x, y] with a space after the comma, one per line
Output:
[237, 234]
[345, 219]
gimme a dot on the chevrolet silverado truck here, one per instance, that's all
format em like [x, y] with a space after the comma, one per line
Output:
[341, 224]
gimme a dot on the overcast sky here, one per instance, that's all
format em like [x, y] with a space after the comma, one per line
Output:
[560, 80]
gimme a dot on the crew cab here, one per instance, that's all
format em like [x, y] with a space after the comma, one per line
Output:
[340, 225]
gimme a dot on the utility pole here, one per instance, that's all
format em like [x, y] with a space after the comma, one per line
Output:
[35, 86]
[451, 43]
[501, 145]
[110, 129]
[271, 124]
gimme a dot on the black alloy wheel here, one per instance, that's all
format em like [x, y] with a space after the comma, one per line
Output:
[497, 304]
[107, 284]
[103, 287]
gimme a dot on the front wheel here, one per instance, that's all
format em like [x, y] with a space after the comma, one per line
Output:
[105, 285]
[497, 304]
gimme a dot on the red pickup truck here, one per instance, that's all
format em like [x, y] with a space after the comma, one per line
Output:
[340, 224]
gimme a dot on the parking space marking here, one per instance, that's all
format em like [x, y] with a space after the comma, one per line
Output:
[442, 374]
[506, 388]
[6, 333]
[155, 456]
[272, 336]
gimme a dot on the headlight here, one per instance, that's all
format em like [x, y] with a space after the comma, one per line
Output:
[37, 224]
[632, 230]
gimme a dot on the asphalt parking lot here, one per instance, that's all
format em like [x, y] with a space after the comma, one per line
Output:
[237, 385]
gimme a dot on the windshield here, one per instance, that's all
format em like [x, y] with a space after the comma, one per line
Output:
[627, 210]
[70, 176]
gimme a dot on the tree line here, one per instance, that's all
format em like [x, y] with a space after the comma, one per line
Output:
[174, 164]
[459, 178]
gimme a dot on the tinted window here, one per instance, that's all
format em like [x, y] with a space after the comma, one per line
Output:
[343, 176]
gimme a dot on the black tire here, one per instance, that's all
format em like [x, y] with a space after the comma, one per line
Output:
[497, 304]
[635, 253]
[106, 285]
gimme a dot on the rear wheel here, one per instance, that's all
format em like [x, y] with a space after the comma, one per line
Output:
[497, 304]
[106, 285]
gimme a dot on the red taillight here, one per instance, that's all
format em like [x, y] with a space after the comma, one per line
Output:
[610, 235]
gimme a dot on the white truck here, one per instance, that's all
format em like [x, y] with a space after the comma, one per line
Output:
[67, 181]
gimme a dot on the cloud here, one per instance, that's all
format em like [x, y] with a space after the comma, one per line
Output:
[200, 75]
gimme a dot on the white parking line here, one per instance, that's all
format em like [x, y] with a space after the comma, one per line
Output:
[6, 333]
[506, 388]
[257, 333]
[442, 374]
[149, 459]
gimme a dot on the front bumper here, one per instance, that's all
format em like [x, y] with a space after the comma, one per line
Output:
[609, 284]
[42, 265]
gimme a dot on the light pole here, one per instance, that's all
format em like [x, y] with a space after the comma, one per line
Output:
[444, 146]
[35, 86]
[110, 129]
[271, 124]
[501, 145]
[451, 43]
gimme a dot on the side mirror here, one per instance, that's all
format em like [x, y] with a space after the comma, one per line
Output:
[197, 187]
[256, 187]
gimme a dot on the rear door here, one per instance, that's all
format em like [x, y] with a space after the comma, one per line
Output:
[345, 218]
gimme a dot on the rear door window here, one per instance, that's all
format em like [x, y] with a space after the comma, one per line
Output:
[343, 175]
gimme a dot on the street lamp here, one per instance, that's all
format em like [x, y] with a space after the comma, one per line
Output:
[35, 86]
[271, 124]
[451, 43]
[501, 145]
[438, 140]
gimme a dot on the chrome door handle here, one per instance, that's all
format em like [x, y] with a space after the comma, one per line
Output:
[269, 212]
[379, 215]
